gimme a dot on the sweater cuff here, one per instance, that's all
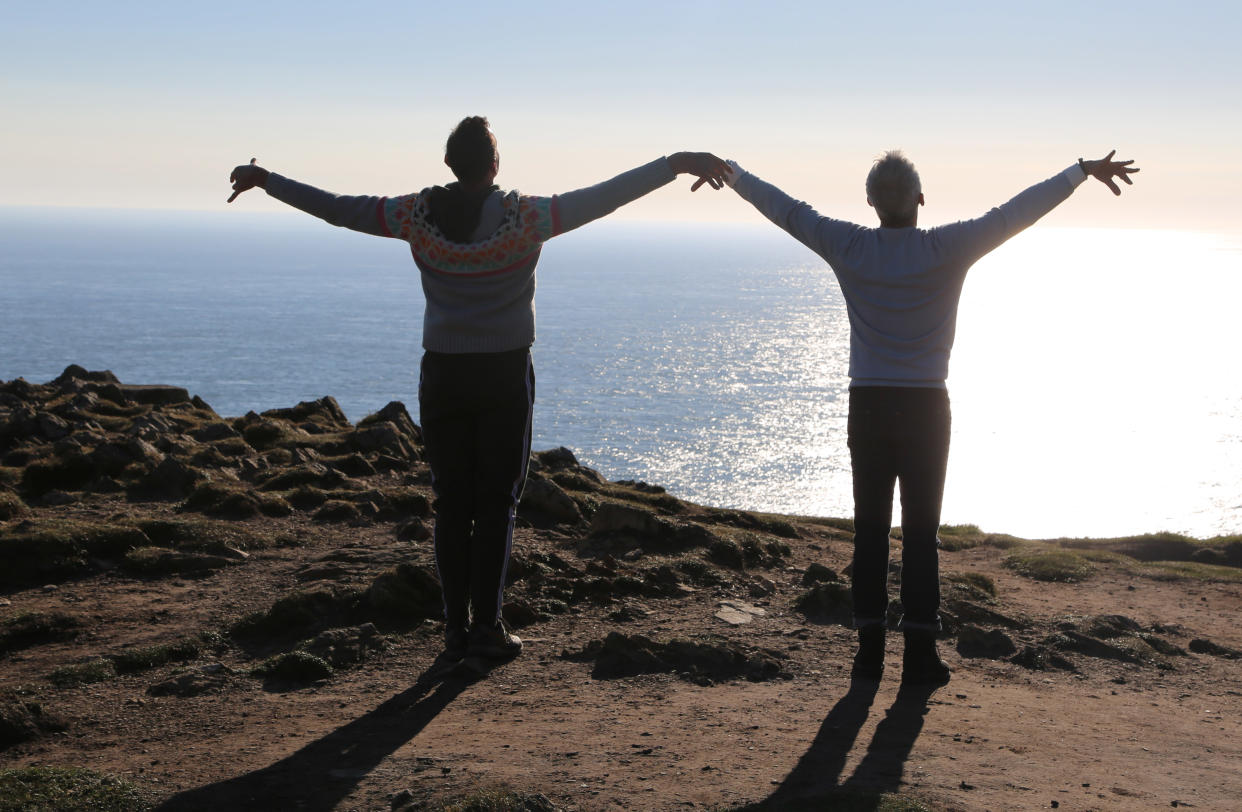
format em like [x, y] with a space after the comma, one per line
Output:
[733, 174]
[274, 182]
[1075, 175]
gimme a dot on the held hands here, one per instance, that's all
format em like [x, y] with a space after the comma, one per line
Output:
[1105, 169]
[709, 169]
[247, 176]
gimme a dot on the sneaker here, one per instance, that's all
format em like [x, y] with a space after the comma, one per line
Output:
[920, 664]
[869, 661]
[456, 643]
[493, 642]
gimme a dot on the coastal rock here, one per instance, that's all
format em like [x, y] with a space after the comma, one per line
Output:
[344, 647]
[210, 678]
[705, 662]
[738, 613]
[994, 644]
[545, 497]
[396, 414]
[317, 416]
[613, 517]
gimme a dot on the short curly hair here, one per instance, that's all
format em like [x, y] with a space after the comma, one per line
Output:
[893, 187]
[471, 149]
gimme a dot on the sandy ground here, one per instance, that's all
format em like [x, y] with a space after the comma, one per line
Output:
[1115, 735]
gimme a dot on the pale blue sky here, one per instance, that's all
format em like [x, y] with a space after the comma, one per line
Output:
[148, 105]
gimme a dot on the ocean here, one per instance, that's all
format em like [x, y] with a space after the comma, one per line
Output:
[1095, 385]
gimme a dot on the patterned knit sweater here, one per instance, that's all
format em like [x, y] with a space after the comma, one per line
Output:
[480, 294]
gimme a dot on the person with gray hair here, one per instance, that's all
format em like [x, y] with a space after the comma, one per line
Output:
[901, 286]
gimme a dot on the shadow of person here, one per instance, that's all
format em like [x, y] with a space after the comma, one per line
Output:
[820, 767]
[815, 781]
[884, 763]
[323, 772]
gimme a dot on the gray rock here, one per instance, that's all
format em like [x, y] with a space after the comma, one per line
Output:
[201, 680]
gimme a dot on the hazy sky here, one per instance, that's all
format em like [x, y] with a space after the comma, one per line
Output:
[148, 105]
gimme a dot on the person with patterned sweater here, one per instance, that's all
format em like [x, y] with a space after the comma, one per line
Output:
[476, 248]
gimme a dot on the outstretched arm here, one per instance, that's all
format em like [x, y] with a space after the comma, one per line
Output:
[581, 206]
[1105, 169]
[821, 234]
[359, 213]
[709, 169]
[972, 239]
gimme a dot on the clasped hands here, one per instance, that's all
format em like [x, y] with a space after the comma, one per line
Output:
[709, 169]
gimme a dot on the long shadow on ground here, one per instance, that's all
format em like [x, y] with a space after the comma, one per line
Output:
[323, 772]
[816, 778]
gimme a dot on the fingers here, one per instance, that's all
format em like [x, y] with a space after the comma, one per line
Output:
[233, 196]
[1108, 181]
[697, 184]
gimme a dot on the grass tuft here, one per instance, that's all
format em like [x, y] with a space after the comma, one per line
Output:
[1044, 564]
[88, 673]
[67, 789]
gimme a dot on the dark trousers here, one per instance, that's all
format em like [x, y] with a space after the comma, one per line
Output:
[476, 412]
[898, 435]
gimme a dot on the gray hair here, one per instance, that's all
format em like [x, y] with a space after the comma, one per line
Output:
[893, 186]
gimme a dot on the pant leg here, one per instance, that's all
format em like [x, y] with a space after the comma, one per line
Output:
[873, 464]
[448, 437]
[502, 454]
[922, 463]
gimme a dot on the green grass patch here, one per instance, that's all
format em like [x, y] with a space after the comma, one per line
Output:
[67, 789]
[88, 673]
[975, 581]
[54, 549]
[294, 666]
[299, 613]
[28, 629]
[1050, 564]
[148, 657]
[1190, 570]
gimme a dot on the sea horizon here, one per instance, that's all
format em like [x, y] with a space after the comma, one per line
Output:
[705, 358]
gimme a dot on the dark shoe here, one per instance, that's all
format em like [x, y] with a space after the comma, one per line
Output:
[493, 642]
[456, 643]
[869, 661]
[920, 664]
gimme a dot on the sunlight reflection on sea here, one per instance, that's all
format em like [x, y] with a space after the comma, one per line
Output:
[1095, 384]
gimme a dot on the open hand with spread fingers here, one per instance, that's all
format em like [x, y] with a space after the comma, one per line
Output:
[1105, 169]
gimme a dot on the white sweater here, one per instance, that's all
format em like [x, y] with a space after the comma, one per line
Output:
[902, 285]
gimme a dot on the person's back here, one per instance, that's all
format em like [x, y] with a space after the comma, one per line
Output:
[901, 286]
[476, 248]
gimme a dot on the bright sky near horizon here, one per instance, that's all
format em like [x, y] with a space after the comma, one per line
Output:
[149, 104]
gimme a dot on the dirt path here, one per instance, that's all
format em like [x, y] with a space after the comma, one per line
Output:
[1115, 736]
